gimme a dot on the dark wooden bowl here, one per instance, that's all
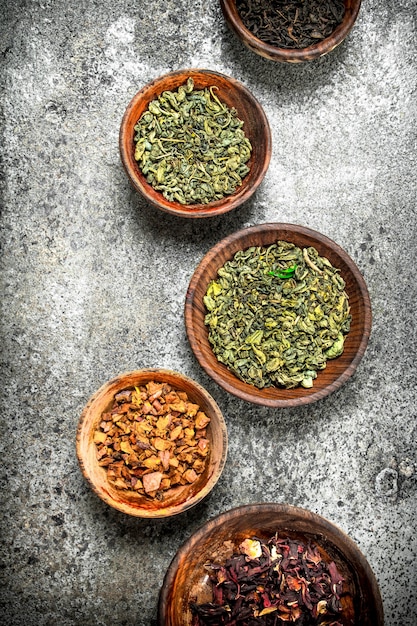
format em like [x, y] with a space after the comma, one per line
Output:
[230, 92]
[186, 578]
[178, 499]
[290, 55]
[337, 371]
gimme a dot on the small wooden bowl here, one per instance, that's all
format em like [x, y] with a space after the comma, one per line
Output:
[230, 92]
[337, 371]
[178, 499]
[286, 55]
[186, 578]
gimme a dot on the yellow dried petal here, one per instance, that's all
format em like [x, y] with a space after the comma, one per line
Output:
[163, 422]
[175, 478]
[152, 387]
[137, 397]
[160, 444]
[201, 420]
[126, 447]
[165, 483]
[192, 409]
[151, 462]
[175, 433]
[143, 427]
[321, 606]
[198, 465]
[179, 406]
[99, 436]
[252, 548]
[143, 439]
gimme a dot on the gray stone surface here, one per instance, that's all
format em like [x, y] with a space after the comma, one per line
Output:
[94, 281]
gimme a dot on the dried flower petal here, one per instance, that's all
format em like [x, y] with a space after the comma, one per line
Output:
[176, 432]
[201, 420]
[99, 436]
[251, 548]
[126, 447]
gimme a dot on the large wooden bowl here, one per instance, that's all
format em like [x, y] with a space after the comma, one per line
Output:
[230, 92]
[285, 55]
[337, 372]
[178, 499]
[186, 578]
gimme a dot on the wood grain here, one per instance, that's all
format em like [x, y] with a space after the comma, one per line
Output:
[337, 372]
[177, 500]
[284, 55]
[186, 578]
[233, 94]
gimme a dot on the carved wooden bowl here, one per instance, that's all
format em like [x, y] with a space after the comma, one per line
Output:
[285, 55]
[177, 499]
[187, 580]
[338, 370]
[231, 93]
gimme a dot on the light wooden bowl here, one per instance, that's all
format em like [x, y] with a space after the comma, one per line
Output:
[178, 499]
[233, 94]
[285, 55]
[186, 578]
[337, 372]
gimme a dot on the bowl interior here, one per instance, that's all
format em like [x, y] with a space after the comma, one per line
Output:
[177, 499]
[337, 370]
[233, 94]
[273, 53]
[187, 580]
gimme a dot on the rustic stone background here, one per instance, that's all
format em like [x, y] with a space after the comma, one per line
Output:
[94, 281]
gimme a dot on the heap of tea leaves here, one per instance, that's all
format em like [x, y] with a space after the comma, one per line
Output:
[191, 147]
[291, 23]
[276, 314]
[270, 583]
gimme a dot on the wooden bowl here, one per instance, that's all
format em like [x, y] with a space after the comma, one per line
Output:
[230, 92]
[186, 578]
[285, 55]
[178, 499]
[337, 372]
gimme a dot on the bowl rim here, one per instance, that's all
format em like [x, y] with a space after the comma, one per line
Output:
[156, 199]
[281, 510]
[248, 392]
[291, 55]
[83, 441]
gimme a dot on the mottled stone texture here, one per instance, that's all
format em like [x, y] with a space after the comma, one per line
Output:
[93, 283]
